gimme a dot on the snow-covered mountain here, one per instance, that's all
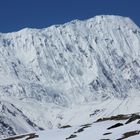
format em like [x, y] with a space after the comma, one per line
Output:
[54, 75]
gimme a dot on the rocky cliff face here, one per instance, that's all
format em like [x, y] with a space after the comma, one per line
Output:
[77, 62]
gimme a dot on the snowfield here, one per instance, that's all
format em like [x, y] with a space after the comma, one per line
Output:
[70, 74]
[126, 127]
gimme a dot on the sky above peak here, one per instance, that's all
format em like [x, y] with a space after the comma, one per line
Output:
[18, 14]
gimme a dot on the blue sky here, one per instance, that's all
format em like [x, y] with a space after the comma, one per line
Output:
[18, 14]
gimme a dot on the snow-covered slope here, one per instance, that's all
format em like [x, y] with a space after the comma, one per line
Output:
[56, 74]
[113, 128]
[110, 129]
[13, 121]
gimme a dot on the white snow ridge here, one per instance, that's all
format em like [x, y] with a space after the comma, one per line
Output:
[69, 75]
